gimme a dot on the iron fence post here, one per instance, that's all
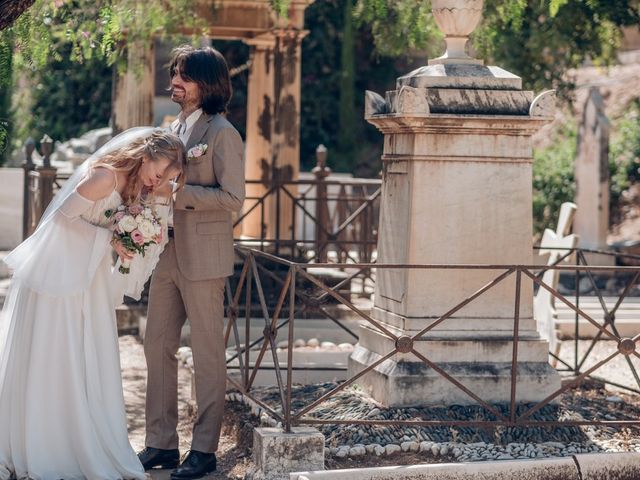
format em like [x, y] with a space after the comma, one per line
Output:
[47, 174]
[292, 302]
[321, 172]
[27, 167]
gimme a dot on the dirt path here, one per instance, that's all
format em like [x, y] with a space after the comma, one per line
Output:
[234, 453]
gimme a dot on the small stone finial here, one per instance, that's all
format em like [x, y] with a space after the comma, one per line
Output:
[29, 147]
[46, 145]
[456, 19]
[544, 105]
[321, 156]
[321, 170]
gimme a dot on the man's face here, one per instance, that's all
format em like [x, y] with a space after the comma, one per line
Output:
[184, 93]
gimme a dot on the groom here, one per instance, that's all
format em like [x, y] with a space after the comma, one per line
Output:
[190, 277]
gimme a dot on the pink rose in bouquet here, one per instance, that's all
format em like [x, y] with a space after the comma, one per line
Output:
[136, 209]
[137, 237]
[136, 227]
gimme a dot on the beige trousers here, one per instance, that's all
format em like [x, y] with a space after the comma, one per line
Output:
[173, 298]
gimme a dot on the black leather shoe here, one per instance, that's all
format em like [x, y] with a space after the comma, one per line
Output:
[158, 458]
[195, 465]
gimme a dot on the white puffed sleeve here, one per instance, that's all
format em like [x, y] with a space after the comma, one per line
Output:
[62, 255]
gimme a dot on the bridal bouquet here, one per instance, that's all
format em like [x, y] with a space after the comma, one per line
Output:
[136, 226]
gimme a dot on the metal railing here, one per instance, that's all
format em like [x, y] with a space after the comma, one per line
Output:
[630, 276]
[299, 288]
[329, 219]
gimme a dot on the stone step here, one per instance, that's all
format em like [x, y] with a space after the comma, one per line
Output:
[627, 317]
[627, 327]
[4, 288]
[415, 383]
[447, 350]
[4, 269]
[598, 314]
[594, 302]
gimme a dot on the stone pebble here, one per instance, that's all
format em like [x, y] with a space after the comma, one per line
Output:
[391, 439]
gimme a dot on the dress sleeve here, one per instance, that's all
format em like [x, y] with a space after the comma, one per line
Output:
[62, 255]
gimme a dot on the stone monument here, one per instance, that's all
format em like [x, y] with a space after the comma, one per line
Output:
[457, 190]
[592, 175]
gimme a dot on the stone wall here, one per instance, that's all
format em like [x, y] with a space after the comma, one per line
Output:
[10, 207]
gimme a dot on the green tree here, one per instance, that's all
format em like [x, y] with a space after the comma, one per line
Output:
[553, 177]
[541, 40]
[331, 114]
[70, 98]
[6, 65]
[536, 39]
[347, 132]
[624, 156]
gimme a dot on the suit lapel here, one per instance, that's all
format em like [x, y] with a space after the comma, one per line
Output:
[199, 130]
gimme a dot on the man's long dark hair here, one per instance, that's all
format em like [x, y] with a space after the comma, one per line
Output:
[207, 67]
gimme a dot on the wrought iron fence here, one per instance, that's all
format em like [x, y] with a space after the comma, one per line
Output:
[315, 220]
[300, 289]
[321, 219]
[597, 287]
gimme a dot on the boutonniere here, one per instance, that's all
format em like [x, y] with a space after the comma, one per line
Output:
[197, 151]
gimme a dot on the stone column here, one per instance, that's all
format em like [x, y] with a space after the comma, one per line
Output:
[273, 128]
[457, 175]
[133, 90]
[259, 129]
[592, 175]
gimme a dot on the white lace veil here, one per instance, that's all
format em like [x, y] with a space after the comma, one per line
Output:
[34, 262]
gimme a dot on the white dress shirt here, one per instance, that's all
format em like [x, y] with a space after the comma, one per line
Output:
[183, 127]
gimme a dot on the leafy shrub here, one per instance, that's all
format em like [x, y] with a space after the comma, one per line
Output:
[553, 177]
[624, 154]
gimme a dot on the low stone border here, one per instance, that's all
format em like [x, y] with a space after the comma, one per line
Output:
[604, 466]
[483, 452]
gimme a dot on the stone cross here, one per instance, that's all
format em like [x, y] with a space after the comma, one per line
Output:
[556, 245]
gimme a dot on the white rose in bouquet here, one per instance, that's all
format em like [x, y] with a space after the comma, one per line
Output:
[127, 224]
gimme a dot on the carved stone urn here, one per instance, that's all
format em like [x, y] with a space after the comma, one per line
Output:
[456, 19]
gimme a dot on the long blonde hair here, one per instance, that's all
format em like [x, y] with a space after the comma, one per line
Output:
[160, 144]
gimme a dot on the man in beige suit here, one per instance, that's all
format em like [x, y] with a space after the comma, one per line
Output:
[190, 277]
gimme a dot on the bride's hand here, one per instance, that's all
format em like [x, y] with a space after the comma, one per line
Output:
[164, 190]
[123, 252]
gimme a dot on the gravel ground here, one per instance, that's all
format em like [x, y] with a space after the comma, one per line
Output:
[616, 370]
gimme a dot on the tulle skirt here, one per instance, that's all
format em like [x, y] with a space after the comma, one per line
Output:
[62, 412]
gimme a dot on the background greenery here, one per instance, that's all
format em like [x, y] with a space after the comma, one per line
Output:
[63, 53]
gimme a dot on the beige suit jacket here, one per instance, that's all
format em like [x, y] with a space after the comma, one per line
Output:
[215, 187]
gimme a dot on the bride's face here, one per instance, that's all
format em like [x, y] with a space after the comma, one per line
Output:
[153, 171]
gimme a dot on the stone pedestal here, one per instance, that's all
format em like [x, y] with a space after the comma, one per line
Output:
[276, 454]
[456, 190]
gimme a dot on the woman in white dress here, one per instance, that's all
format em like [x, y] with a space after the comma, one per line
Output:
[62, 412]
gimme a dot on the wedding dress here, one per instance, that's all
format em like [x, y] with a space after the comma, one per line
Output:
[62, 413]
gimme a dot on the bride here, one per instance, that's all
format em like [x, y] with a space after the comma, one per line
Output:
[62, 412]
